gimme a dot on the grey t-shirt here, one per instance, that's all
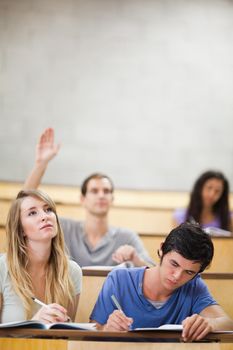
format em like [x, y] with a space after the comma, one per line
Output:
[85, 255]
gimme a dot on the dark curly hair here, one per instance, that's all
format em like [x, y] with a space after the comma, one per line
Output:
[190, 241]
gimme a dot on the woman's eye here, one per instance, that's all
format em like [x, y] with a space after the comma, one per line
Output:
[48, 210]
[33, 212]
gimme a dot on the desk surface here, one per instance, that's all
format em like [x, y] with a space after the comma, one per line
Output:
[146, 336]
[95, 271]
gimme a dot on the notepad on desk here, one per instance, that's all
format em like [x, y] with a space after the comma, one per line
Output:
[59, 325]
[217, 232]
[164, 327]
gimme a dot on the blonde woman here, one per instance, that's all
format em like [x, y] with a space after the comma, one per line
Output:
[36, 265]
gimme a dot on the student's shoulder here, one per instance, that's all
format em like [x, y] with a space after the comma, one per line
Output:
[71, 226]
[196, 283]
[123, 272]
[3, 266]
[69, 221]
[3, 260]
[74, 267]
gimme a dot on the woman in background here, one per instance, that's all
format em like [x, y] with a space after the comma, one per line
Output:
[36, 265]
[209, 202]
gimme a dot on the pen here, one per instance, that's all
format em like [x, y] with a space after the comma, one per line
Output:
[114, 299]
[43, 304]
[39, 302]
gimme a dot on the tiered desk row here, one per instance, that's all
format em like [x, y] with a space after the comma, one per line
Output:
[147, 212]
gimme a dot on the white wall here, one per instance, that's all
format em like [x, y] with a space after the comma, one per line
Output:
[139, 89]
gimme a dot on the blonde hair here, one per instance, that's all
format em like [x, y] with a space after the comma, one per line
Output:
[58, 285]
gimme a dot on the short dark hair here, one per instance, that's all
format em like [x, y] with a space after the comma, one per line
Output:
[95, 176]
[192, 242]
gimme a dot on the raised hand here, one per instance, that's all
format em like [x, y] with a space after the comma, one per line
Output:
[46, 149]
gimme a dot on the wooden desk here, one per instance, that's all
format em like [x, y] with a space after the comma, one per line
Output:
[28, 339]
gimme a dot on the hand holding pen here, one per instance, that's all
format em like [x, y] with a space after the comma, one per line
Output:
[118, 321]
[50, 313]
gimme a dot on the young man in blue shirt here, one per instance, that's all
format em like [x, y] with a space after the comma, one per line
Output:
[171, 292]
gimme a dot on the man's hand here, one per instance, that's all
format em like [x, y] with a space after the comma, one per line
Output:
[196, 327]
[46, 149]
[117, 321]
[125, 253]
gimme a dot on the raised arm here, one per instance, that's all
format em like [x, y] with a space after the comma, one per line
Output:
[46, 150]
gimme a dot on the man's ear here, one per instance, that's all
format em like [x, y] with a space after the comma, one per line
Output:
[160, 252]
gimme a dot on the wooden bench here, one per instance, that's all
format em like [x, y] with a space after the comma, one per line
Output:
[147, 212]
[220, 286]
[222, 261]
[140, 220]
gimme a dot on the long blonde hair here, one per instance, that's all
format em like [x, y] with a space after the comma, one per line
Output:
[58, 285]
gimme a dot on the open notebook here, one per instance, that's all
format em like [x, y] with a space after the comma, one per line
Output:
[218, 232]
[40, 325]
[170, 327]
[107, 267]
[164, 327]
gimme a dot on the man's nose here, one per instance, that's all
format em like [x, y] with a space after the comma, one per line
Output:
[177, 274]
[101, 193]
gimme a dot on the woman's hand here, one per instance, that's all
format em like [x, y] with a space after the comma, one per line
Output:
[51, 313]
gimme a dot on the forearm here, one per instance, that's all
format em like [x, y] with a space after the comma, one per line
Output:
[221, 324]
[35, 176]
[142, 259]
[138, 261]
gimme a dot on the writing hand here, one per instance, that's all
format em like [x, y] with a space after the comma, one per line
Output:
[117, 321]
[51, 313]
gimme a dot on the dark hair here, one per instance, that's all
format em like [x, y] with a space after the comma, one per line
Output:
[220, 208]
[95, 176]
[190, 241]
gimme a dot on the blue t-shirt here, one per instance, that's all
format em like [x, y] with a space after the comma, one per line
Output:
[126, 285]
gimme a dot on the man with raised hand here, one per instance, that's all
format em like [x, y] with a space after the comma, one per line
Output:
[93, 241]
